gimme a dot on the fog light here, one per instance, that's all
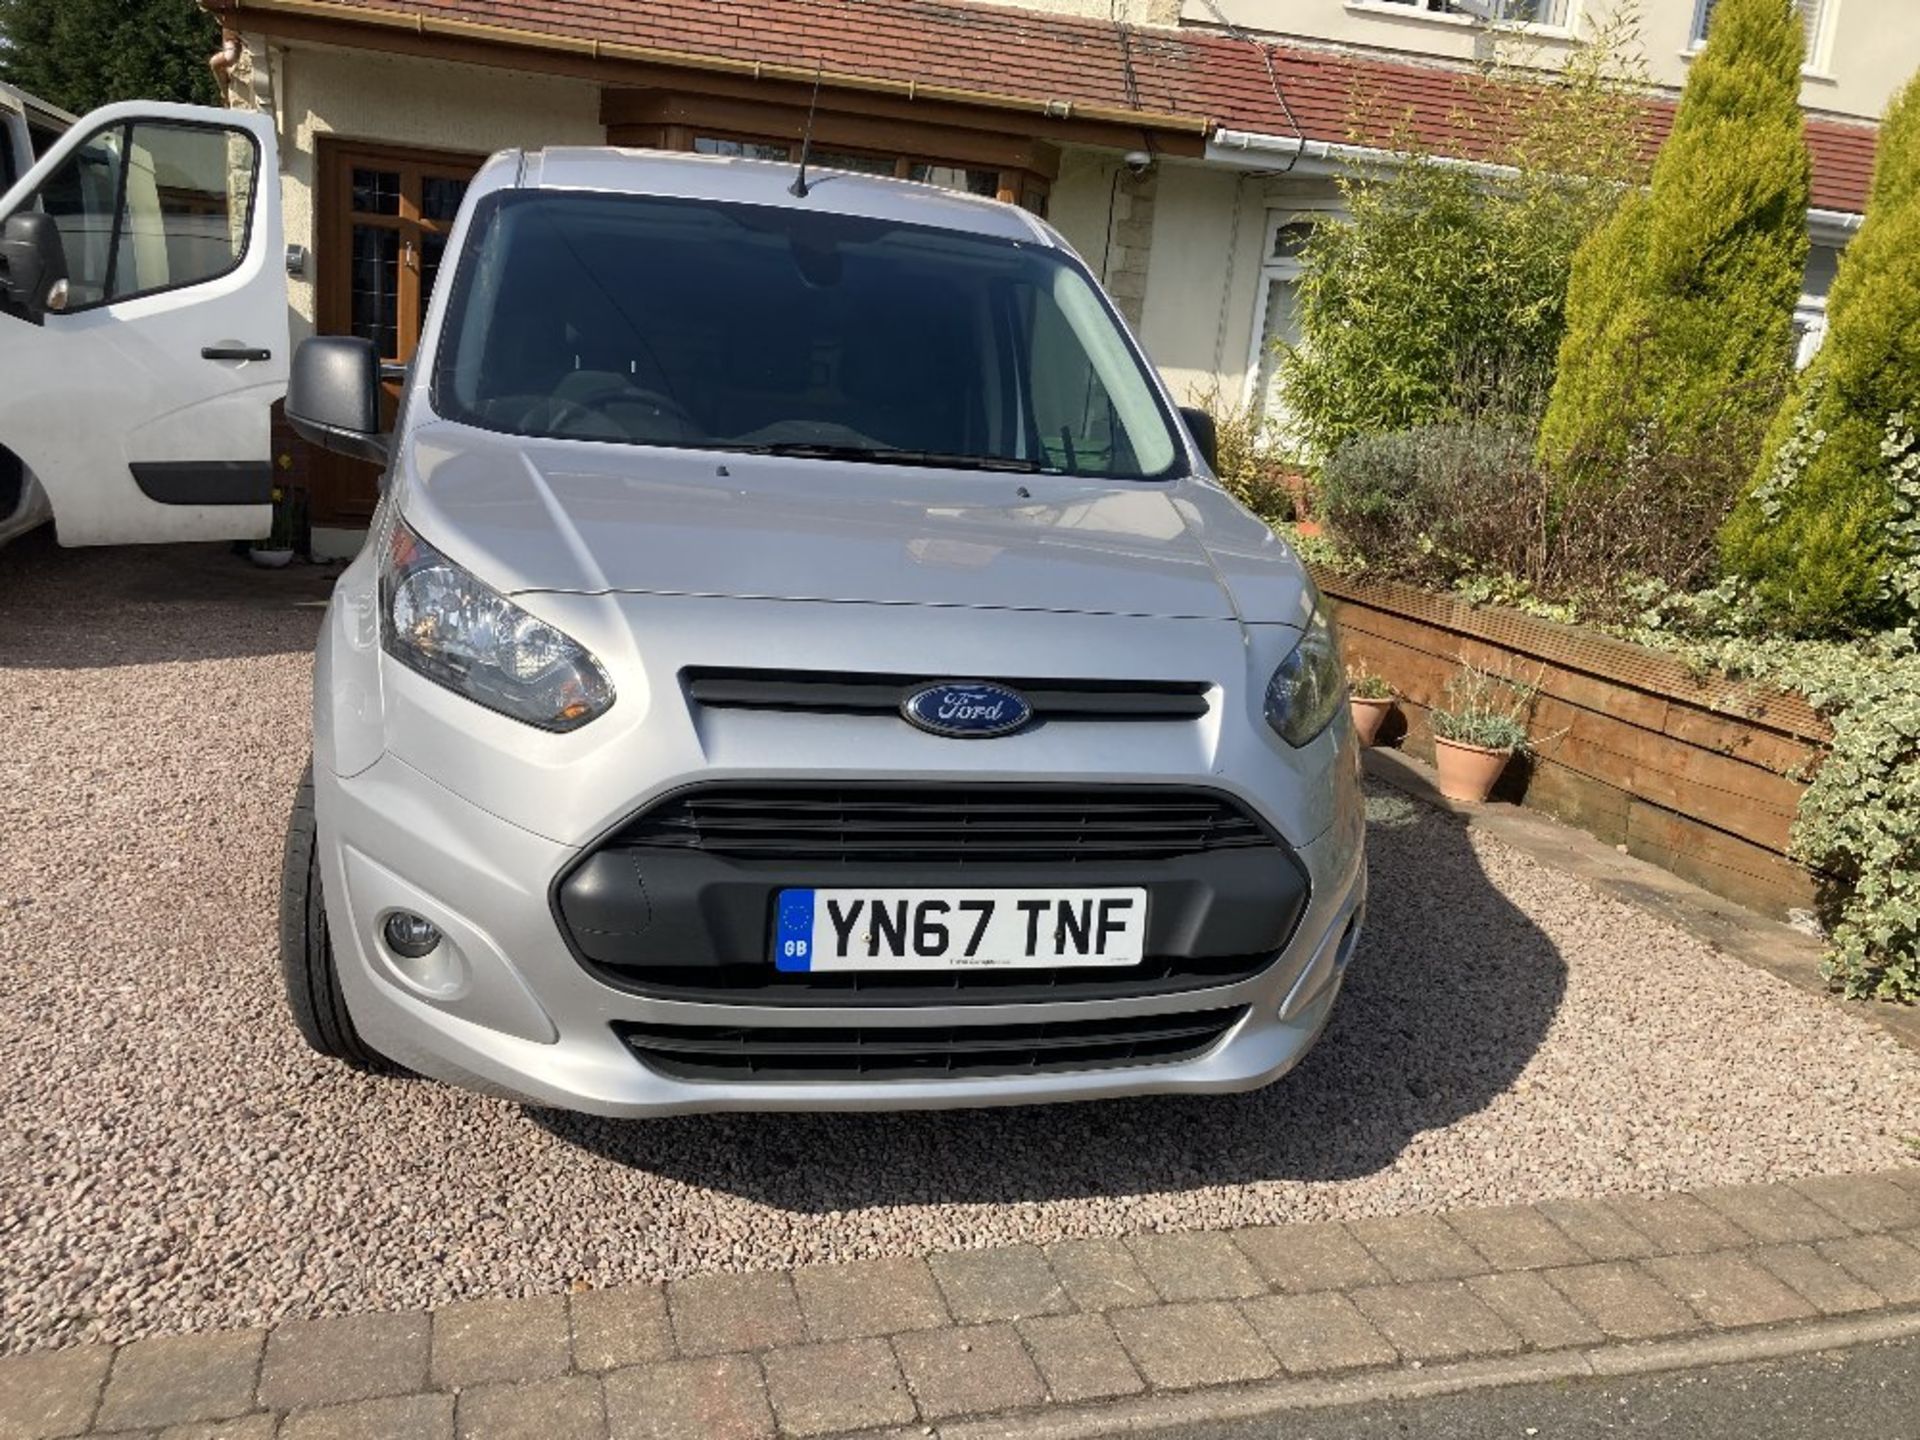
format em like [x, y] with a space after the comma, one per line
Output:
[411, 936]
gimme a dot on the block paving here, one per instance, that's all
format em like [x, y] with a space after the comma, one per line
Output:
[903, 1346]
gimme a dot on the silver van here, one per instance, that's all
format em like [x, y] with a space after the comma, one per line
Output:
[803, 661]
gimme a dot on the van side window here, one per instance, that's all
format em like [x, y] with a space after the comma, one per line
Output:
[80, 197]
[1072, 412]
[149, 207]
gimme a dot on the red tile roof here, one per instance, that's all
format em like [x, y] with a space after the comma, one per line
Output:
[1038, 56]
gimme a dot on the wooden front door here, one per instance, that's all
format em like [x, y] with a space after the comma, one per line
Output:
[380, 236]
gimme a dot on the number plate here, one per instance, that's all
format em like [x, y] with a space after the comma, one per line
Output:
[958, 929]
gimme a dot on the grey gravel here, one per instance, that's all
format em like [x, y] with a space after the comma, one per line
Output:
[173, 1159]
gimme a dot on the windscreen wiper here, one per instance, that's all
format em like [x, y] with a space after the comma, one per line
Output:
[884, 455]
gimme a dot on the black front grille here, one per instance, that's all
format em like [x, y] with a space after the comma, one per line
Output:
[758, 983]
[834, 692]
[800, 1053]
[679, 903]
[919, 825]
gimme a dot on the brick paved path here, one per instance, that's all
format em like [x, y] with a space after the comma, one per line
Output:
[912, 1345]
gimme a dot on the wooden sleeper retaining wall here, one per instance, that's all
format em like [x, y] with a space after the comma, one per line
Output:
[1693, 772]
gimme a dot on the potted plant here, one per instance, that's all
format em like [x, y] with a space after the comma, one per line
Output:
[1370, 698]
[277, 549]
[1478, 731]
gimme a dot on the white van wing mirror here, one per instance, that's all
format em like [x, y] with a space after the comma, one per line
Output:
[33, 264]
[333, 396]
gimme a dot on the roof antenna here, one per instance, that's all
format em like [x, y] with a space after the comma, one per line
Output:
[799, 187]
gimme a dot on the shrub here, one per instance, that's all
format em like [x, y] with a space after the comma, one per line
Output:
[1815, 533]
[1435, 502]
[1445, 504]
[1246, 461]
[1484, 709]
[1858, 825]
[1439, 299]
[1680, 308]
[1363, 684]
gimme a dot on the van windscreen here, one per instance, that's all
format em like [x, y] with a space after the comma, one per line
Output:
[783, 330]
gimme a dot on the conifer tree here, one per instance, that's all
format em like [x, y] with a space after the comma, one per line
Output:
[1815, 534]
[1680, 308]
[80, 54]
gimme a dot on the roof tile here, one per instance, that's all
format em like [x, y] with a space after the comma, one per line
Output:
[1044, 56]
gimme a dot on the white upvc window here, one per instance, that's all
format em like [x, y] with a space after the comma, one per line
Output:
[1813, 16]
[1544, 14]
[1276, 317]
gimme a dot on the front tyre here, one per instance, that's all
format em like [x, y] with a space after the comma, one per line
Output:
[306, 952]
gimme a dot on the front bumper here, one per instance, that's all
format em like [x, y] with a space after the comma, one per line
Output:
[506, 1008]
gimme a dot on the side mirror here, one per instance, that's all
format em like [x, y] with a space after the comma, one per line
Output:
[1206, 439]
[33, 263]
[333, 397]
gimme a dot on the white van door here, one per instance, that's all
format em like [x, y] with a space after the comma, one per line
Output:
[140, 399]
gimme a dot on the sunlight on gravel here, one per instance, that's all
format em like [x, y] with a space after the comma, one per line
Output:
[173, 1159]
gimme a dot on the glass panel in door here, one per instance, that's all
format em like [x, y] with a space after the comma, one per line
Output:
[376, 288]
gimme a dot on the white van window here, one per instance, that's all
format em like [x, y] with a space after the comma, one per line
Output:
[150, 206]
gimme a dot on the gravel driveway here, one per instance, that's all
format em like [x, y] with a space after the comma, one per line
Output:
[172, 1158]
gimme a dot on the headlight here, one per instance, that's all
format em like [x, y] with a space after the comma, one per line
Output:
[438, 619]
[1307, 690]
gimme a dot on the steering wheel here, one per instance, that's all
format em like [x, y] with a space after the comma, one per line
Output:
[599, 391]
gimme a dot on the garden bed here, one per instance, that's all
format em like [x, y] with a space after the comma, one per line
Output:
[1692, 772]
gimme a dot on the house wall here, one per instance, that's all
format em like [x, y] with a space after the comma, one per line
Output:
[399, 100]
[1204, 282]
[1868, 50]
[1107, 214]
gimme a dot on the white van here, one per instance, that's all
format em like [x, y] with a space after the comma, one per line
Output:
[141, 272]
[28, 126]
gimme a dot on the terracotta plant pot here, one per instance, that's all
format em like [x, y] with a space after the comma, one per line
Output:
[1368, 715]
[1467, 772]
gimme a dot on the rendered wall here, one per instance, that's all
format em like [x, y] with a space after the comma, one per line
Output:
[399, 100]
[1869, 49]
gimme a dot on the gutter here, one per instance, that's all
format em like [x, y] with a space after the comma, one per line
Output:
[1252, 150]
[620, 50]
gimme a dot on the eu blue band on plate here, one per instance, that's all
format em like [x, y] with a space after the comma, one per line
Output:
[793, 931]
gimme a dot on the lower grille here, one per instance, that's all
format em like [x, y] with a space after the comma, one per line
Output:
[1028, 824]
[678, 903]
[803, 1053]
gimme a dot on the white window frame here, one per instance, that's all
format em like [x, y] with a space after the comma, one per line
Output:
[1323, 212]
[1417, 11]
[1817, 45]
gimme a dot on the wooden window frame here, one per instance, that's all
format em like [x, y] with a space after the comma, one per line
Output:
[666, 119]
[333, 235]
[344, 492]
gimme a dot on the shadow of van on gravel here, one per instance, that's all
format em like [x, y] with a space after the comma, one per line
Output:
[95, 608]
[1449, 996]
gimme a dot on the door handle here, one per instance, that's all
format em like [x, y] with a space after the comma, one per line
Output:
[234, 352]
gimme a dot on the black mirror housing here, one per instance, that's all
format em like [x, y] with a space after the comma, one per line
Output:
[333, 396]
[1206, 439]
[33, 262]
